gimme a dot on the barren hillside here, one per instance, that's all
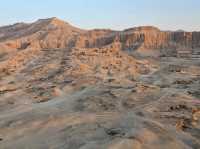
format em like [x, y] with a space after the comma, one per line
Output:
[65, 87]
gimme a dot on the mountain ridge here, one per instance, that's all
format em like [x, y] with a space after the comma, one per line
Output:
[52, 33]
[44, 32]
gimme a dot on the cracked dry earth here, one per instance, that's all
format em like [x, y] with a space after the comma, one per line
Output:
[99, 98]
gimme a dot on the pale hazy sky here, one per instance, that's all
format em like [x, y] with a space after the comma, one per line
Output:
[115, 14]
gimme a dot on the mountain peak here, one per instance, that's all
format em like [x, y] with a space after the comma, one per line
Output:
[53, 21]
[57, 21]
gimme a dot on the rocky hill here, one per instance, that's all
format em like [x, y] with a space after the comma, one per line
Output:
[65, 87]
[54, 33]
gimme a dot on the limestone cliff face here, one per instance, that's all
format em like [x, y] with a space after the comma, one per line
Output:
[152, 38]
[169, 40]
[53, 33]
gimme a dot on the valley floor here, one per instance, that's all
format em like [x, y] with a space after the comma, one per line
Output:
[43, 107]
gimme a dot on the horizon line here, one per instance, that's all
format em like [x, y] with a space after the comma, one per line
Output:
[96, 28]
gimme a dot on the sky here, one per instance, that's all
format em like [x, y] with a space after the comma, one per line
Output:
[113, 14]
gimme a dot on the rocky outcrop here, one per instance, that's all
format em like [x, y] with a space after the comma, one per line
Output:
[153, 38]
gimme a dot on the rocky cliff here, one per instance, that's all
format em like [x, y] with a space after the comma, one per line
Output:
[148, 37]
[54, 33]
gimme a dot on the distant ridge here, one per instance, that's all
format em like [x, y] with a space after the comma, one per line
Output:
[55, 33]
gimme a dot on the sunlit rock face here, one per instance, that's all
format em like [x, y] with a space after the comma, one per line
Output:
[55, 33]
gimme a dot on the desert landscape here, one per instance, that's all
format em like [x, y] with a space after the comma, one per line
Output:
[62, 87]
